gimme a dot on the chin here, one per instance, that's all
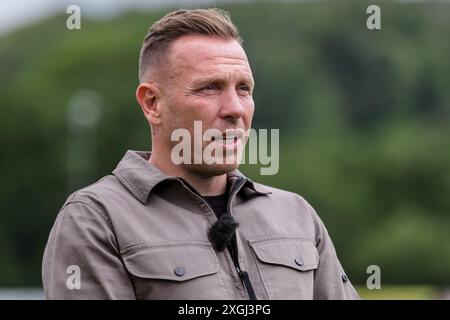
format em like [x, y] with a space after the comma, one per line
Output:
[210, 170]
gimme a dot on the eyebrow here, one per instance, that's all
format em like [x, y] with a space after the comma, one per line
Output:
[220, 79]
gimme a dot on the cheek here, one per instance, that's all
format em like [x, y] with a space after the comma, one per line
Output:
[169, 117]
[173, 118]
[250, 109]
[204, 109]
[187, 110]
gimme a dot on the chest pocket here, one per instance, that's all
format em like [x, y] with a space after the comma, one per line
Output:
[286, 266]
[181, 270]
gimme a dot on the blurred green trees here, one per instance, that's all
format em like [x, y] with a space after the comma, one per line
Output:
[363, 116]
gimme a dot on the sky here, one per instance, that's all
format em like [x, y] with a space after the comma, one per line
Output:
[17, 13]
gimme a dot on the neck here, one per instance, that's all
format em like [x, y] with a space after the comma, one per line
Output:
[205, 185]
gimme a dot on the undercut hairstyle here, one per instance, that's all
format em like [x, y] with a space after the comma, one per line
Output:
[211, 22]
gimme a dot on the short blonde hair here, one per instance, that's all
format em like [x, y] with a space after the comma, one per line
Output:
[212, 22]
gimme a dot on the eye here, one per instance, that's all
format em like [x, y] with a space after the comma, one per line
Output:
[245, 88]
[209, 87]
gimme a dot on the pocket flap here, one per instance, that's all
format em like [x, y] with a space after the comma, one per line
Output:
[297, 253]
[177, 262]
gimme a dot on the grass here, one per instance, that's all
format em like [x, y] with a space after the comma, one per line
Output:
[404, 292]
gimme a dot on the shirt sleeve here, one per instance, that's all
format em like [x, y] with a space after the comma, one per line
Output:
[81, 258]
[330, 280]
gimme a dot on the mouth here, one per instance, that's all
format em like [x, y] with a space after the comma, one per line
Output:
[231, 137]
[227, 145]
[225, 139]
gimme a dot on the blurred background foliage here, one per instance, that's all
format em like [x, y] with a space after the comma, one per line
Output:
[363, 116]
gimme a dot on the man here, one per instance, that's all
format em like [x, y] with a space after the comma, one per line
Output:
[160, 229]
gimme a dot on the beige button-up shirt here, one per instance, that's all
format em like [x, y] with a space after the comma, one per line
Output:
[141, 234]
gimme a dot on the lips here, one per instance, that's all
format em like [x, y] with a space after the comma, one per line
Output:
[229, 137]
[225, 139]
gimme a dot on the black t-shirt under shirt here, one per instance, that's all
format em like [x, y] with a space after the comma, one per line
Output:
[218, 203]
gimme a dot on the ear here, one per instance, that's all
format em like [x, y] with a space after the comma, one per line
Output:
[148, 97]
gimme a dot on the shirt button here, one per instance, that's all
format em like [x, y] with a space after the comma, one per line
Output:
[179, 271]
[344, 278]
[299, 261]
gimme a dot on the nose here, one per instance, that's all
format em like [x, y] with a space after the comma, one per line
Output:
[231, 105]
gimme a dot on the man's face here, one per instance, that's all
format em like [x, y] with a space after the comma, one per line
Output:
[209, 80]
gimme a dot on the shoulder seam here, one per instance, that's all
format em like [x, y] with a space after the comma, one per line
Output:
[91, 205]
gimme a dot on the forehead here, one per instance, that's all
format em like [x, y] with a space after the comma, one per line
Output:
[199, 53]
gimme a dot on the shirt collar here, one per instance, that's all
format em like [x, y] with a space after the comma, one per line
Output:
[139, 176]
